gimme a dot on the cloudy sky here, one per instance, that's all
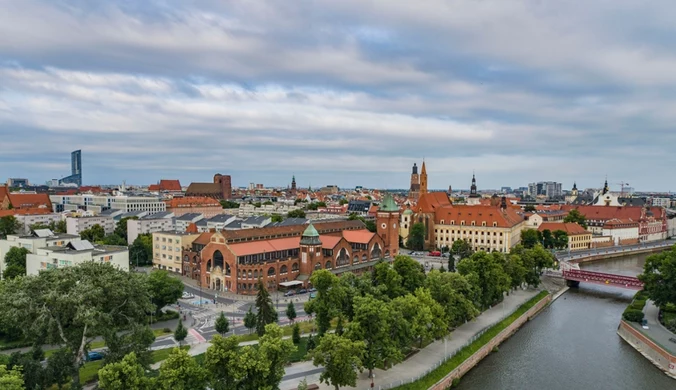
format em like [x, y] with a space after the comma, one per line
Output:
[346, 92]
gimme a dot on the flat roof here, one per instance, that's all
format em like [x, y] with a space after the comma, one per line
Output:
[291, 283]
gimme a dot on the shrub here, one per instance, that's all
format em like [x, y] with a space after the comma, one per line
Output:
[633, 315]
[166, 330]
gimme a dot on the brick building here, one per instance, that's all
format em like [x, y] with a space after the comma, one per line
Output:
[221, 188]
[206, 206]
[235, 260]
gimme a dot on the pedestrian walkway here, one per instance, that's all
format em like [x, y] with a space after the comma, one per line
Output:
[656, 331]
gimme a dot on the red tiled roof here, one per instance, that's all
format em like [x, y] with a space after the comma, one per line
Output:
[3, 192]
[28, 211]
[620, 223]
[479, 214]
[431, 201]
[252, 248]
[568, 227]
[604, 213]
[204, 238]
[20, 201]
[190, 201]
[362, 236]
[329, 242]
[154, 187]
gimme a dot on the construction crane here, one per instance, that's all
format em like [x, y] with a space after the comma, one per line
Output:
[622, 186]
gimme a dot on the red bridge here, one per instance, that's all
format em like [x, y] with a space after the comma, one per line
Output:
[574, 277]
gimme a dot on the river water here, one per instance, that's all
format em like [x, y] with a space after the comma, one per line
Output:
[573, 344]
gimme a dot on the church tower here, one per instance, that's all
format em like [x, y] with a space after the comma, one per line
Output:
[472, 190]
[387, 225]
[605, 188]
[414, 191]
[574, 192]
[293, 184]
[310, 250]
[423, 180]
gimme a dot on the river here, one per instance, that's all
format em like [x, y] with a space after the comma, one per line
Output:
[573, 344]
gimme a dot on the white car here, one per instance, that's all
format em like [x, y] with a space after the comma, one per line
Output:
[187, 295]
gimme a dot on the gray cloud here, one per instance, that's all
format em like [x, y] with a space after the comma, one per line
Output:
[342, 92]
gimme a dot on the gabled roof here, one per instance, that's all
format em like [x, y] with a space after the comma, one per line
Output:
[169, 185]
[188, 217]
[23, 201]
[256, 247]
[603, 213]
[362, 236]
[568, 227]
[31, 211]
[491, 215]
[330, 242]
[431, 201]
[3, 192]
[193, 201]
[204, 189]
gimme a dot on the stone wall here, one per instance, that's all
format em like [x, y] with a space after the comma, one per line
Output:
[473, 360]
[646, 347]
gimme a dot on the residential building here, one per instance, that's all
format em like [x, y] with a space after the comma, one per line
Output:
[287, 255]
[185, 220]
[76, 252]
[652, 220]
[16, 182]
[28, 220]
[256, 222]
[547, 189]
[151, 223]
[578, 238]
[218, 222]
[221, 188]
[209, 207]
[75, 225]
[167, 249]
[99, 203]
[23, 200]
[359, 207]
[622, 231]
[661, 202]
[41, 238]
[537, 218]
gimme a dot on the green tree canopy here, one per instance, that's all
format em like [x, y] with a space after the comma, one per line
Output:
[181, 372]
[560, 239]
[9, 225]
[70, 306]
[124, 375]
[277, 218]
[296, 214]
[266, 313]
[121, 227]
[416, 237]
[530, 238]
[412, 273]
[11, 379]
[387, 281]
[455, 295]
[250, 320]
[222, 325]
[164, 289]
[141, 250]
[15, 262]
[137, 340]
[462, 249]
[223, 361]
[659, 277]
[487, 272]
[181, 332]
[329, 299]
[575, 216]
[291, 312]
[341, 359]
[228, 204]
[529, 208]
[93, 234]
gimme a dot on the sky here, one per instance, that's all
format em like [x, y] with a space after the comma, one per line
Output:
[345, 92]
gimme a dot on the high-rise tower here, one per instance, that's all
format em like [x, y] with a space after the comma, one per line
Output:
[75, 169]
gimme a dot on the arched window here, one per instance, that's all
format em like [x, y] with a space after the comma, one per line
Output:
[364, 257]
[186, 258]
[355, 260]
[343, 258]
[250, 274]
[294, 267]
[239, 275]
[228, 271]
[209, 266]
[283, 269]
[328, 265]
[255, 274]
[271, 271]
[218, 259]
[375, 252]
[318, 266]
[387, 253]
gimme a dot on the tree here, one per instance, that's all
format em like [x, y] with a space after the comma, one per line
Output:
[228, 204]
[343, 201]
[93, 234]
[530, 238]
[372, 324]
[276, 352]
[455, 295]
[181, 372]
[560, 239]
[416, 237]
[295, 334]
[34, 374]
[296, 214]
[250, 320]
[387, 281]
[137, 340]
[488, 274]
[121, 228]
[9, 225]
[291, 312]
[266, 312]
[462, 249]
[123, 375]
[659, 277]
[11, 379]
[114, 239]
[534, 261]
[341, 359]
[329, 299]
[141, 250]
[515, 269]
[223, 362]
[547, 239]
[442, 269]
[412, 273]
[164, 289]
[576, 217]
[222, 325]
[276, 218]
[15, 262]
[58, 367]
[451, 263]
[59, 226]
[529, 208]
[370, 226]
[311, 342]
[181, 332]
[70, 306]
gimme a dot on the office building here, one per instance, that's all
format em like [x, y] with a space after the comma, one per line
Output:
[75, 170]
[548, 189]
[151, 223]
[75, 225]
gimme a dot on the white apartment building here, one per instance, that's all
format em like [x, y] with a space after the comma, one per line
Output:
[41, 238]
[152, 223]
[74, 253]
[98, 203]
[167, 249]
[662, 202]
[622, 231]
[75, 225]
[27, 220]
[219, 222]
[185, 220]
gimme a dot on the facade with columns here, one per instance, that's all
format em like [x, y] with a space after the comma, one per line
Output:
[235, 260]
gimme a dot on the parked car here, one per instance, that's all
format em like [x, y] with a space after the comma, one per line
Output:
[93, 356]
[312, 289]
[187, 295]
[289, 293]
[313, 295]
[434, 254]
[302, 291]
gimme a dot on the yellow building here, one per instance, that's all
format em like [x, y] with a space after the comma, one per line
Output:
[578, 237]
[167, 247]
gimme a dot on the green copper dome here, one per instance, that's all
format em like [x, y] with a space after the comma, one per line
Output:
[408, 211]
[388, 204]
[310, 236]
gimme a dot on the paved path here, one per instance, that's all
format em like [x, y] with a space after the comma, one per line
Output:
[656, 331]
[576, 255]
[421, 362]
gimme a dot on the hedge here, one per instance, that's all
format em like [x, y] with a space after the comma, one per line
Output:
[633, 315]
[449, 365]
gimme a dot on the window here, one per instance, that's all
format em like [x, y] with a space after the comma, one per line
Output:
[328, 265]
[271, 271]
[218, 259]
[283, 269]
[294, 267]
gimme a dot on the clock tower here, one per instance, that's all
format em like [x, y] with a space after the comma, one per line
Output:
[387, 224]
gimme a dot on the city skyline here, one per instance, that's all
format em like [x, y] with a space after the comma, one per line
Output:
[339, 92]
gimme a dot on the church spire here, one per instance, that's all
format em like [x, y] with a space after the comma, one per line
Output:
[423, 179]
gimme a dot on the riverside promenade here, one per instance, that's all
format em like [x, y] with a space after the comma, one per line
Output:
[423, 361]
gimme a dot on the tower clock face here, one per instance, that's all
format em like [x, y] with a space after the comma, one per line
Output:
[394, 225]
[383, 226]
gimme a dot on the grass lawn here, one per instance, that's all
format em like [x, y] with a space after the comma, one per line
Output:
[301, 352]
[449, 365]
[100, 343]
[305, 328]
